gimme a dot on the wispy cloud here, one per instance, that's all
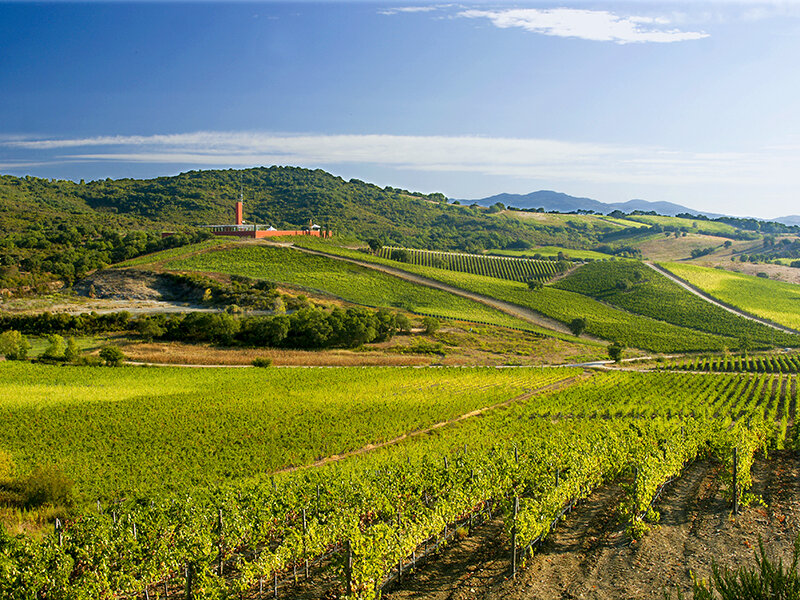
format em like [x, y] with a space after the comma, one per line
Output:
[408, 9]
[596, 25]
[541, 159]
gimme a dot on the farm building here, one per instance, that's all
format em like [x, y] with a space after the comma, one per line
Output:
[252, 230]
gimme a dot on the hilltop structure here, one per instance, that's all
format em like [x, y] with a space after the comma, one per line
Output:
[252, 230]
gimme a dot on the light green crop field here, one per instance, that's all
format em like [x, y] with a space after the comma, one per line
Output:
[691, 224]
[136, 428]
[773, 300]
[546, 453]
[591, 222]
[347, 281]
[602, 320]
[173, 253]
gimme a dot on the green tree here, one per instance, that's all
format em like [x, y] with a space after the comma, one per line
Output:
[112, 355]
[403, 323]
[534, 284]
[615, 351]
[14, 345]
[374, 245]
[430, 324]
[56, 349]
[577, 326]
[149, 329]
[72, 352]
[401, 255]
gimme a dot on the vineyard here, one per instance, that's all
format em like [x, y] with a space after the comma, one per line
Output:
[215, 425]
[778, 363]
[365, 520]
[634, 287]
[346, 281]
[773, 300]
[501, 267]
[602, 320]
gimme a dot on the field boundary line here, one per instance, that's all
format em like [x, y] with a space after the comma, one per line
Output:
[715, 301]
[557, 385]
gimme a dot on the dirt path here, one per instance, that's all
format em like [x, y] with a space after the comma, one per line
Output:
[590, 556]
[526, 314]
[701, 294]
[370, 447]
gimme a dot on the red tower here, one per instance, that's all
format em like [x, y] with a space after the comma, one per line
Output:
[239, 213]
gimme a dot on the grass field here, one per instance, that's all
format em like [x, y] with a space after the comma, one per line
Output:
[690, 224]
[347, 281]
[173, 253]
[773, 300]
[595, 223]
[635, 287]
[156, 429]
[551, 251]
[602, 320]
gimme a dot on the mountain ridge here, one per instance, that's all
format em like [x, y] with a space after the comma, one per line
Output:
[550, 200]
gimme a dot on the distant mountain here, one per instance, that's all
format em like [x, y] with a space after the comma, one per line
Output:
[557, 201]
[788, 220]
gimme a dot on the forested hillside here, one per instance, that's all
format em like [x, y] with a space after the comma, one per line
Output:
[55, 229]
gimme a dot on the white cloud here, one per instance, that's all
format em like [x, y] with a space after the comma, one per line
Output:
[541, 159]
[408, 9]
[596, 25]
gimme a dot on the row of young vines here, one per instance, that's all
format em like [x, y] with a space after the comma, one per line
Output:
[770, 363]
[502, 267]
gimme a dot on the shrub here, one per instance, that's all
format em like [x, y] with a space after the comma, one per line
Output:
[534, 284]
[577, 326]
[46, 485]
[89, 361]
[112, 356]
[262, 362]
[767, 581]
[14, 345]
[71, 353]
[56, 349]
[431, 324]
[615, 351]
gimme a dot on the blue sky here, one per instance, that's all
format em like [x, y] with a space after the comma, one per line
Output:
[694, 103]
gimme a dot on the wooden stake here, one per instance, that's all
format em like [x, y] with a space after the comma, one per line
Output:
[735, 481]
[348, 568]
[514, 539]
